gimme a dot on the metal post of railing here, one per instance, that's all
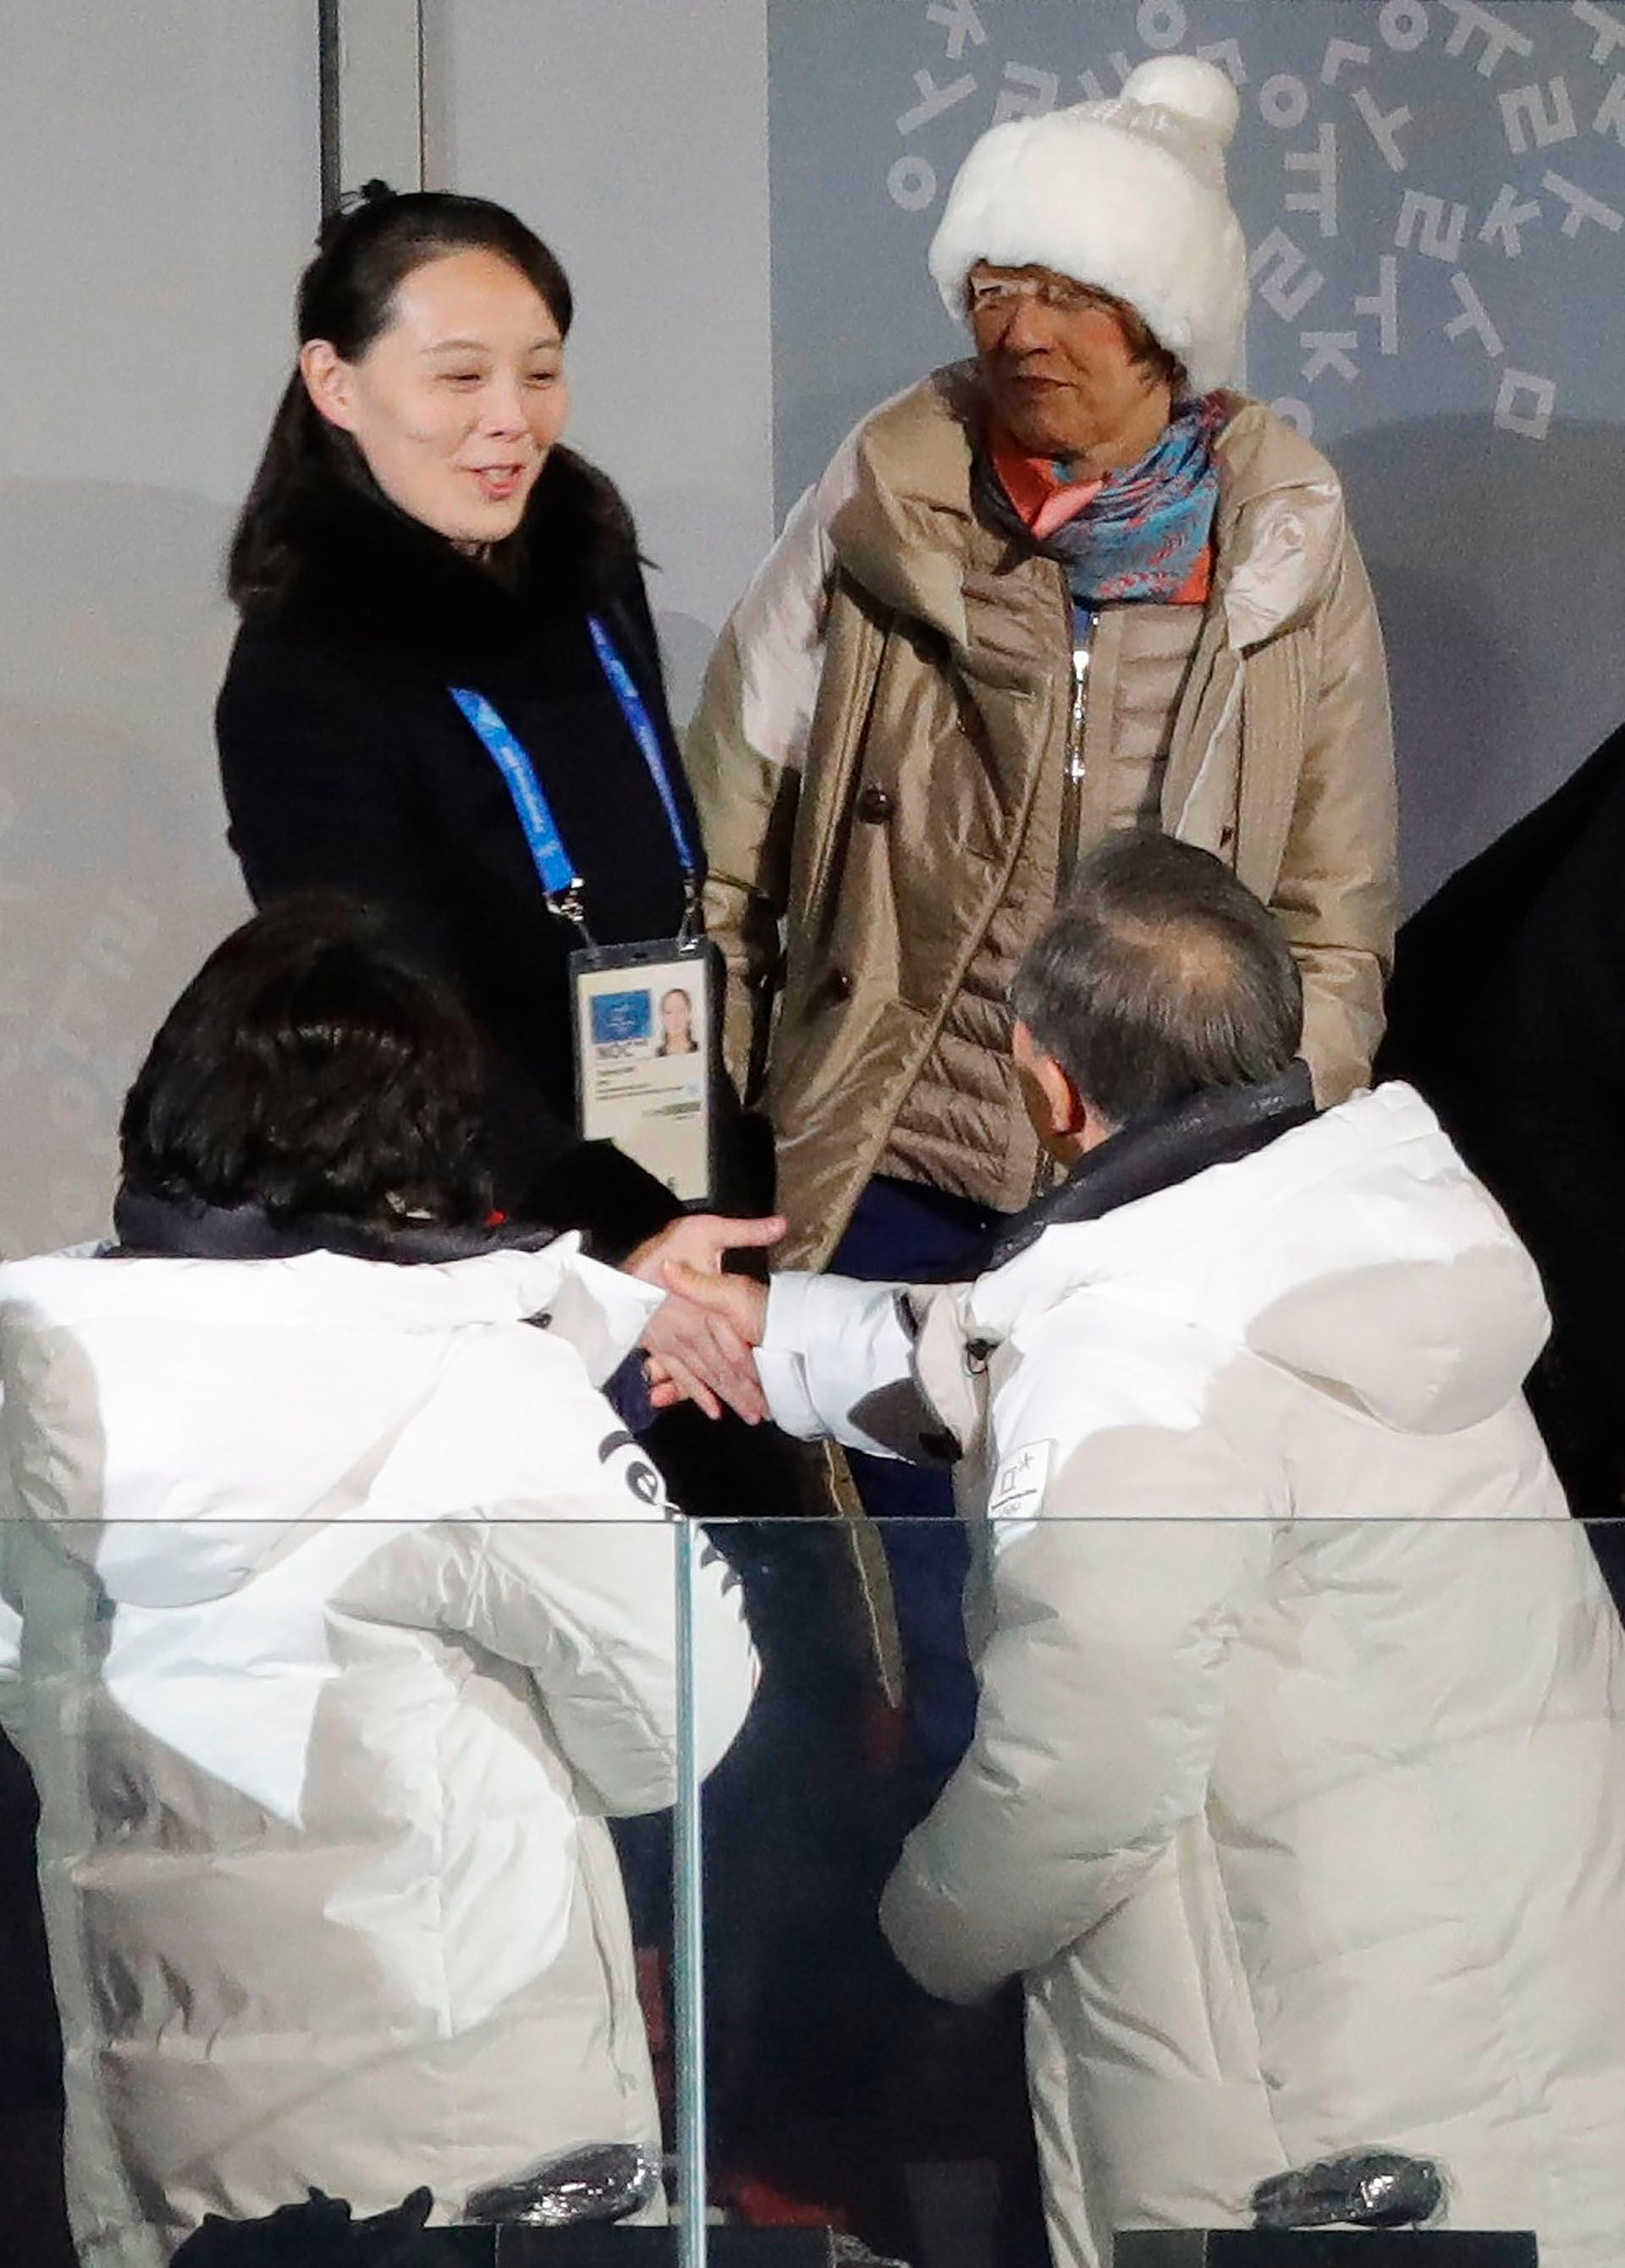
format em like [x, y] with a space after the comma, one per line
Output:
[689, 1925]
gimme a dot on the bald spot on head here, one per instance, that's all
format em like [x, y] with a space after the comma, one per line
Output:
[1188, 957]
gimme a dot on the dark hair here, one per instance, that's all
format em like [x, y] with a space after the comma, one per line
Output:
[1160, 978]
[366, 250]
[310, 1067]
[1148, 351]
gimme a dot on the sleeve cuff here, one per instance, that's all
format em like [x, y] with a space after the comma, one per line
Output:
[830, 1344]
[780, 1362]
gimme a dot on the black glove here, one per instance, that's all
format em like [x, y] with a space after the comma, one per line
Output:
[318, 2233]
[1362, 2189]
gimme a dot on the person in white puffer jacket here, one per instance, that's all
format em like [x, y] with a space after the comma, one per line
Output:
[342, 1615]
[1298, 1789]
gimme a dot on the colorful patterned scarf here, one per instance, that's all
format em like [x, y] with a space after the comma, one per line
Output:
[1143, 533]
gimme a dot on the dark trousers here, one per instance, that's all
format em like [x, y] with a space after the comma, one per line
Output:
[904, 1231]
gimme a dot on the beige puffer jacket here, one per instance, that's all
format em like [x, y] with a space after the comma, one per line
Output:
[338, 1614]
[878, 758]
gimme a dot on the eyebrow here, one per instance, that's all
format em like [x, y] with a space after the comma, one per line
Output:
[480, 346]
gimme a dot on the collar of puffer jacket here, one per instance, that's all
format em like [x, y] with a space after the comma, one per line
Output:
[908, 531]
[1163, 1148]
[181, 1229]
[1354, 1252]
[153, 1227]
[602, 1311]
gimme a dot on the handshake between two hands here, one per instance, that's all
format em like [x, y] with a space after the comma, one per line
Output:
[700, 1342]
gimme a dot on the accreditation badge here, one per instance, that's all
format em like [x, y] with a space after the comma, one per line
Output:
[645, 1050]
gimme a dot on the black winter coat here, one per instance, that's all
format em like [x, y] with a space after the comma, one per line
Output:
[345, 762]
[1508, 1011]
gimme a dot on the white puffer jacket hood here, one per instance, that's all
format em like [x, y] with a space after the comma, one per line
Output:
[243, 1344]
[338, 1610]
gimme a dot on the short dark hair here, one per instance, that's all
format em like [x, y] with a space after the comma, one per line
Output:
[312, 1066]
[1160, 977]
[365, 251]
[1161, 363]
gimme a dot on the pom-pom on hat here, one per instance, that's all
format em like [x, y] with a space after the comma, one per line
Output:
[1126, 195]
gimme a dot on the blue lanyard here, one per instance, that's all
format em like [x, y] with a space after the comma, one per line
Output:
[561, 885]
[642, 728]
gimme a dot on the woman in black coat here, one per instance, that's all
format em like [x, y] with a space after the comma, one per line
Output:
[417, 526]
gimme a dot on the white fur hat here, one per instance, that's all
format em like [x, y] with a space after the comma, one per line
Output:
[1126, 195]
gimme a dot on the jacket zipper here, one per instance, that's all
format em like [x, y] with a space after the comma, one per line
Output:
[1072, 778]
[1047, 1174]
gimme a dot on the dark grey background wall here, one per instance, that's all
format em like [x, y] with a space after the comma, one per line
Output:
[1434, 194]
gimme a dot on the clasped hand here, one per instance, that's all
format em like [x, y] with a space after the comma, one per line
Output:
[700, 1342]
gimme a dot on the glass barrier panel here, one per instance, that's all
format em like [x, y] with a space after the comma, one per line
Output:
[337, 1855]
[1187, 1852]
[1190, 1852]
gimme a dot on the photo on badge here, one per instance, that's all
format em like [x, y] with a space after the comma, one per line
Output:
[679, 1020]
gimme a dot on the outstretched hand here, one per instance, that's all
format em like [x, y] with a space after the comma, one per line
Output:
[697, 1353]
[699, 1240]
[738, 1302]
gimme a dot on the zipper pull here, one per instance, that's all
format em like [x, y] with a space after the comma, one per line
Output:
[1074, 737]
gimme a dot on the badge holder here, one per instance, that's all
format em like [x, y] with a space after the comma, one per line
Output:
[644, 1017]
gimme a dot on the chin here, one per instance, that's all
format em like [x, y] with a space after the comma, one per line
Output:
[1030, 429]
[1041, 441]
[472, 520]
[481, 528]
[498, 522]
[1044, 440]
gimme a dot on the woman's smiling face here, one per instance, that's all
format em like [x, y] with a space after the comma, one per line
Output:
[457, 401]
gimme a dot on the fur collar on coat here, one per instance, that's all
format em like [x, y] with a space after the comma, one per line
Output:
[360, 577]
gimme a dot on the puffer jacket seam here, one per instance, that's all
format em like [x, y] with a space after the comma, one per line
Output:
[842, 759]
[104, 2154]
[1531, 2107]
[637, 1705]
[449, 2029]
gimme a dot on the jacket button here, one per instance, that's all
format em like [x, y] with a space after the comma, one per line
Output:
[837, 985]
[877, 804]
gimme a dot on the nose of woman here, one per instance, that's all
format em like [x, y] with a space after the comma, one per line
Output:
[1033, 326]
[502, 409]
